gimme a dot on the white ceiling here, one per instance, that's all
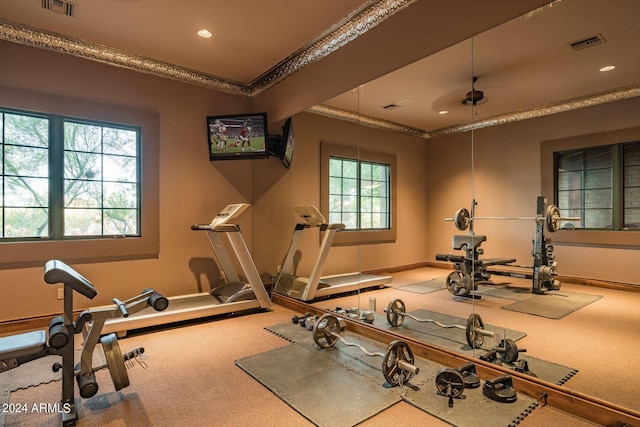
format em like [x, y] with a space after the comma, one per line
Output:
[521, 64]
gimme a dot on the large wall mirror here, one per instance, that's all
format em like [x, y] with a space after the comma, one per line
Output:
[496, 111]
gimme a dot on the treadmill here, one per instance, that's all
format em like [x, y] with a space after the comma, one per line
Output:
[314, 286]
[242, 288]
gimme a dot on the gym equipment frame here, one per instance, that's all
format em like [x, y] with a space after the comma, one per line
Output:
[398, 362]
[314, 286]
[571, 401]
[18, 349]
[471, 268]
[243, 288]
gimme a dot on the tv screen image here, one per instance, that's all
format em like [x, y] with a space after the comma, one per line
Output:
[288, 137]
[237, 136]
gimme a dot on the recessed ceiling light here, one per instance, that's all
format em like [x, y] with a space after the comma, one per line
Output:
[443, 112]
[607, 68]
[205, 34]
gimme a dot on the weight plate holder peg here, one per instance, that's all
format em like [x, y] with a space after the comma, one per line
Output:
[398, 365]
[474, 328]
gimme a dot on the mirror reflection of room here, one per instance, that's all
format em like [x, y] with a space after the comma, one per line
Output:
[365, 211]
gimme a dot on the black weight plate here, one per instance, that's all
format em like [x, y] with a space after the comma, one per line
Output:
[397, 350]
[325, 330]
[395, 312]
[115, 361]
[461, 219]
[474, 339]
[552, 218]
[510, 352]
[449, 382]
[458, 283]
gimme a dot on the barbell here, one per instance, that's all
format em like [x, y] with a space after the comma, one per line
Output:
[398, 361]
[474, 330]
[552, 218]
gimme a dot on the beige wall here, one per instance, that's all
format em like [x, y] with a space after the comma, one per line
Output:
[191, 188]
[301, 186]
[434, 179]
[505, 179]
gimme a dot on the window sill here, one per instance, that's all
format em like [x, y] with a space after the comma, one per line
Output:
[597, 238]
[364, 237]
[36, 253]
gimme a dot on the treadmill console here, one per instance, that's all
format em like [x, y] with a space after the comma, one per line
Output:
[228, 213]
[310, 214]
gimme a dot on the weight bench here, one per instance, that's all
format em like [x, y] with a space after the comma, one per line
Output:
[469, 265]
[21, 348]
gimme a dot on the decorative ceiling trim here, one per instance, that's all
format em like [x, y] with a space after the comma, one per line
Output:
[543, 110]
[516, 116]
[350, 28]
[353, 26]
[56, 42]
[351, 116]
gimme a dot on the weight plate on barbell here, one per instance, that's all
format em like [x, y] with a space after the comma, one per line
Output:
[459, 283]
[509, 352]
[461, 219]
[552, 218]
[449, 382]
[395, 312]
[397, 351]
[115, 361]
[474, 339]
[324, 329]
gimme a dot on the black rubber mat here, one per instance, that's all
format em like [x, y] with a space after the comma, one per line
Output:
[426, 287]
[553, 305]
[455, 339]
[341, 386]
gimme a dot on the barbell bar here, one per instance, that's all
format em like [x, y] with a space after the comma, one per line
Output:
[398, 362]
[552, 218]
[474, 330]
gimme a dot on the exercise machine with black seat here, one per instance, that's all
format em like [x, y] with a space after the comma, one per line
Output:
[470, 265]
[470, 268]
[242, 290]
[59, 340]
[314, 286]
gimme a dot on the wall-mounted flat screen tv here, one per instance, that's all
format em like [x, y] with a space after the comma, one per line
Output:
[288, 138]
[237, 136]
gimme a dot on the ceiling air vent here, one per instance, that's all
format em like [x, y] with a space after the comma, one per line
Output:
[588, 42]
[60, 6]
[390, 107]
